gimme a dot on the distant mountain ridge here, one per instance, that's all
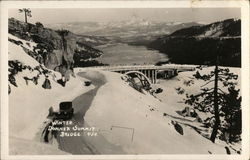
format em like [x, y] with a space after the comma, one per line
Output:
[201, 44]
[126, 30]
[229, 27]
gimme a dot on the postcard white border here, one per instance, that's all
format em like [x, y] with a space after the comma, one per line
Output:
[244, 5]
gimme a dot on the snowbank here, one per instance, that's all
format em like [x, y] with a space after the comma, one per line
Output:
[28, 147]
[29, 103]
[118, 110]
[175, 101]
[16, 52]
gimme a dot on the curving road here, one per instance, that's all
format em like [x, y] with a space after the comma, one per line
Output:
[79, 145]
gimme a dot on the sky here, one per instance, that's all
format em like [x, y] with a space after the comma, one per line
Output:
[50, 16]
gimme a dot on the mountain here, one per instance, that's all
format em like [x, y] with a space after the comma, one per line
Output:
[130, 31]
[203, 42]
[226, 28]
[59, 50]
[35, 92]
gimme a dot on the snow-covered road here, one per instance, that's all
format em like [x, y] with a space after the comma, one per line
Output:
[78, 144]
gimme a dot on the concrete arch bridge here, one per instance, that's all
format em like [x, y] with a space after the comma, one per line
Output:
[146, 72]
[144, 81]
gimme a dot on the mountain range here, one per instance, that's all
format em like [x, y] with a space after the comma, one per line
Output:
[202, 44]
[134, 30]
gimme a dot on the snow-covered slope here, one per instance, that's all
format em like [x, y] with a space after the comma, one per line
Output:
[225, 28]
[29, 102]
[134, 122]
[189, 85]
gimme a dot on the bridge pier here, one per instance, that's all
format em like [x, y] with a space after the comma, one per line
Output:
[154, 76]
[151, 74]
[148, 73]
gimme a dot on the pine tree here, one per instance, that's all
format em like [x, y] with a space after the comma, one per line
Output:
[27, 13]
[222, 105]
[232, 115]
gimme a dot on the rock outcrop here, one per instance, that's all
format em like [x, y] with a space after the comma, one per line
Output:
[57, 50]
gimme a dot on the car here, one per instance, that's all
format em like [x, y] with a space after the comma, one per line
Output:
[66, 111]
[158, 90]
[87, 83]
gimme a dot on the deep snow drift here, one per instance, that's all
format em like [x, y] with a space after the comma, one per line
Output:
[119, 110]
[29, 104]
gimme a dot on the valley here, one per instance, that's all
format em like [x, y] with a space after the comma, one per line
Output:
[179, 42]
[153, 108]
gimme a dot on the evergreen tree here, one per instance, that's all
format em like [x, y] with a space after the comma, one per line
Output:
[27, 13]
[232, 115]
[224, 106]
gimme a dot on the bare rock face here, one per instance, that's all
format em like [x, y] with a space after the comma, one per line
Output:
[55, 49]
[52, 60]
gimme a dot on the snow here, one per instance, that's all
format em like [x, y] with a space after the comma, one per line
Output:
[25, 109]
[117, 110]
[176, 23]
[17, 53]
[89, 40]
[28, 147]
[29, 104]
[25, 43]
[119, 106]
[202, 22]
[175, 102]
[213, 31]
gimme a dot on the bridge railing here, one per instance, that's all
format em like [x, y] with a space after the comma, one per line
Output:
[143, 67]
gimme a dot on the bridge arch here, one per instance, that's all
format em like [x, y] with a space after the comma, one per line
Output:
[146, 83]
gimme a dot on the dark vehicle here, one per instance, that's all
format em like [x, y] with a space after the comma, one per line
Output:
[87, 83]
[158, 90]
[65, 111]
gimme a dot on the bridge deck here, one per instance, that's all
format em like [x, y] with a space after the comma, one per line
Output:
[150, 71]
[145, 67]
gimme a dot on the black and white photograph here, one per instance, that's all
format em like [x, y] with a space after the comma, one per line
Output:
[86, 80]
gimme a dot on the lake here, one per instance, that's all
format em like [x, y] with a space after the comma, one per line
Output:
[121, 53]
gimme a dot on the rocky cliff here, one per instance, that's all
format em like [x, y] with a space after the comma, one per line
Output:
[57, 50]
[201, 44]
